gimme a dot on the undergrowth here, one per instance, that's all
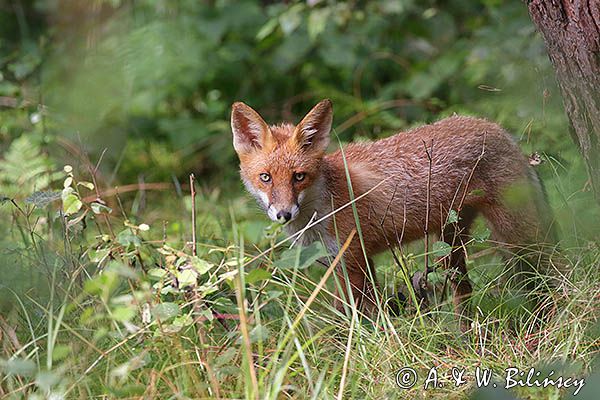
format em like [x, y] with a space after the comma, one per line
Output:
[118, 307]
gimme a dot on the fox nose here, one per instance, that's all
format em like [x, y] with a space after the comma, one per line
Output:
[286, 215]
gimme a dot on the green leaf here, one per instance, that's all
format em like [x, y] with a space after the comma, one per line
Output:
[317, 21]
[441, 249]
[256, 275]
[60, 352]
[165, 311]
[71, 204]
[187, 277]
[302, 257]
[126, 238]
[183, 320]
[98, 208]
[452, 217]
[157, 274]
[291, 19]
[207, 314]
[259, 333]
[481, 234]
[292, 51]
[338, 50]
[226, 357]
[201, 266]
[273, 294]
[42, 199]
[123, 313]
[271, 231]
[267, 29]
[87, 185]
[103, 283]
[128, 390]
[225, 305]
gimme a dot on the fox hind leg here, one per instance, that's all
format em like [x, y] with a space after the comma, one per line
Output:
[456, 234]
[529, 240]
[362, 284]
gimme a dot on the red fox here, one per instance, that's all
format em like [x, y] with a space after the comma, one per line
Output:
[475, 168]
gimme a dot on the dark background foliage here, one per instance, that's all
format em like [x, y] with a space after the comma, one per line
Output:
[152, 81]
[143, 88]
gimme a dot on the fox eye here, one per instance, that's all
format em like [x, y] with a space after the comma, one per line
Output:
[265, 177]
[299, 176]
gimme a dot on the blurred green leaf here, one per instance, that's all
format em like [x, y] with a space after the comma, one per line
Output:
[165, 311]
[441, 249]
[301, 257]
[126, 237]
[123, 313]
[200, 265]
[259, 333]
[256, 275]
[291, 18]
[187, 277]
[157, 273]
[452, 217]
[317, 20]
[481, 234]
[98, 208]
[60, 352]
[71, 204]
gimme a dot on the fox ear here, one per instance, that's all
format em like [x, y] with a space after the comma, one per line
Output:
[312, 133]
[250, 131]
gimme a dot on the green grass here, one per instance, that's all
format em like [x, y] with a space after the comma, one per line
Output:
[112, 310]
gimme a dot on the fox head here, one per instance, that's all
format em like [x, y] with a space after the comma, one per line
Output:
[280, 164]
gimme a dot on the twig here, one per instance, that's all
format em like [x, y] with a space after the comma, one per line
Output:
[193, 193]
[301, 232]
[479, 158]
[93, 170]
[387, 208]
[427, 209]
[134, 187]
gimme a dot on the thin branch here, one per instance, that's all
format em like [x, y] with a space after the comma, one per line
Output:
[193, 193]
[429, 153]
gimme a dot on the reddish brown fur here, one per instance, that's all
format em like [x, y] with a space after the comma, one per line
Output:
[476, 166]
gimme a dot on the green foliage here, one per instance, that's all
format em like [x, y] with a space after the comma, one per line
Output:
[300, 258]
[441, 249]
[25, 168]
[101, 293]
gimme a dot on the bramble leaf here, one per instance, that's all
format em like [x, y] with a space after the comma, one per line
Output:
[441, 249]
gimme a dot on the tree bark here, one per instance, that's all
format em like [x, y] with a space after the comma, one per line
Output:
[571, 31]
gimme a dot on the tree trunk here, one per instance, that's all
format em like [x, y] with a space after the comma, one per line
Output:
[571, 31]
